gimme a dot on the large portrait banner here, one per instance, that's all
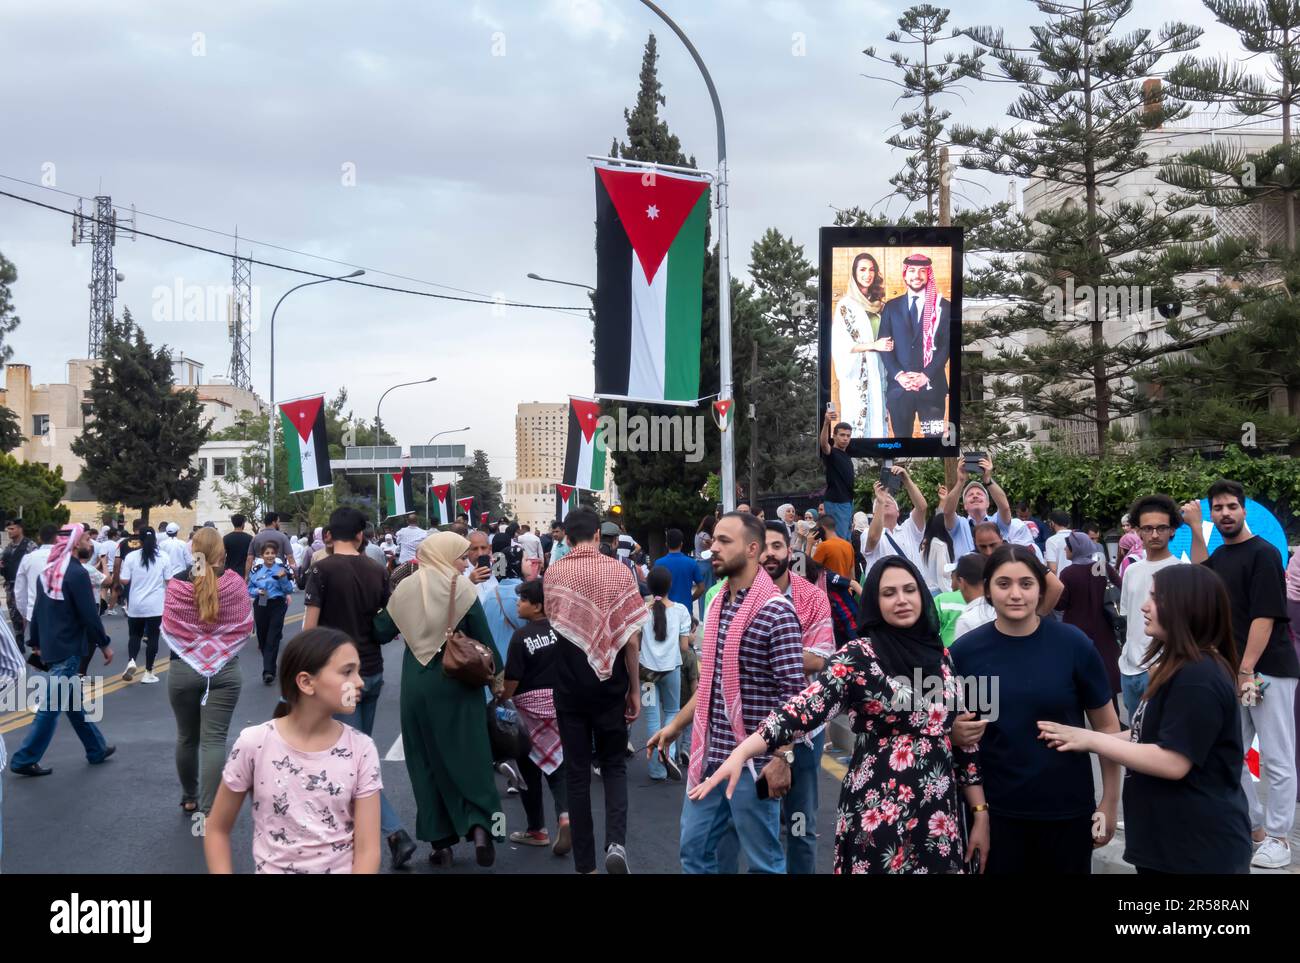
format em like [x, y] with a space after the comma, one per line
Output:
[890, 338]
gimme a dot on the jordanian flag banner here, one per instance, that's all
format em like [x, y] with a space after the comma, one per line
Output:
[584, 451]
[398, 494]
[303, 422]
[649, 284]
[466, 505]
[566, 500]
[443, 503]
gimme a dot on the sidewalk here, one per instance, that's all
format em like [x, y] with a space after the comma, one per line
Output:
[1108, 859]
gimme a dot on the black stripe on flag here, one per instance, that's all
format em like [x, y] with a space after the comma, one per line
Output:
[321, 445]
[613, 298]
[573, 447]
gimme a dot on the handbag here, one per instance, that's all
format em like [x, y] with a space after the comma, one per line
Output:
[466, 660]
[506, 733]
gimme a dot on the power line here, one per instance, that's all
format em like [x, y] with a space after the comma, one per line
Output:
[283, 267]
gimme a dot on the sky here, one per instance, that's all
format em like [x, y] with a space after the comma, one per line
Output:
[442, 147]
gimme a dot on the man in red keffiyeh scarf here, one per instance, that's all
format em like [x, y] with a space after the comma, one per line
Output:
[918, 322]
[594, 606]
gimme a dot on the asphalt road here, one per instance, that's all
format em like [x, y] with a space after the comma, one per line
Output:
[124, 816]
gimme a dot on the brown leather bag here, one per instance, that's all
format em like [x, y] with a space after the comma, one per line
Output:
[466, 660]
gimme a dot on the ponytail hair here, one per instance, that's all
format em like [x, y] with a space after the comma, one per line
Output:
[660, 581]
[209, 559]
[309, 652]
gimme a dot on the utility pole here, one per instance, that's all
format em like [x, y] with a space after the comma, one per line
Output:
[945, 220]
[753, 426]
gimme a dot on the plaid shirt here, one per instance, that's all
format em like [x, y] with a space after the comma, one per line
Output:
[771, 671]
[842, 608]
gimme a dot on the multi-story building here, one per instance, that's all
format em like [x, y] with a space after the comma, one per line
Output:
[1143, 186]
[541, 431]
[53, 415]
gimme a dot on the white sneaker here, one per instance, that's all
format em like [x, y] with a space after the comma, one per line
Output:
[129, 674]
[1273, 854]
[149, 679]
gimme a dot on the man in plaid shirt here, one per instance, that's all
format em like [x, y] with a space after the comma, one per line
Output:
[751, 663]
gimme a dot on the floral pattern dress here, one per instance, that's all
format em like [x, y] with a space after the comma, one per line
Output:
[898, 810]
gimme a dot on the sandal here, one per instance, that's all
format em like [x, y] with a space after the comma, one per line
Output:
[189, 804]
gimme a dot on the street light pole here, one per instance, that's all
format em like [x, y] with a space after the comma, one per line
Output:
[724, 267]
[271, 415]
[379, 497]
[572, 284]
[428, 517]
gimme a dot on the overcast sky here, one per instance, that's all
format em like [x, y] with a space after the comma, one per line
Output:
[467, 125]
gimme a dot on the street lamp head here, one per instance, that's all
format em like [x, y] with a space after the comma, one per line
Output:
[354, 274]
[535, 277]
[431, 378]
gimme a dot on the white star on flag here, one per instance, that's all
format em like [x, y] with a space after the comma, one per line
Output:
[652, 212]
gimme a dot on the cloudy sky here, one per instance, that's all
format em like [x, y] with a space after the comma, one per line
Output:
[464, 127]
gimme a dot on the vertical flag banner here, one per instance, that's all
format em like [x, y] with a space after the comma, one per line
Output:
[650, 229]
[398, 494]
[722, 412]
[303, 422]
[443, 500]
[566, 500]
[585, 447]
[466, 506]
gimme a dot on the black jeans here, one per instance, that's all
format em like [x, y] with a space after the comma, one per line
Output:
[609, 731]
[269, 619]
[149, 627]
[531, 794]
[1057, 847]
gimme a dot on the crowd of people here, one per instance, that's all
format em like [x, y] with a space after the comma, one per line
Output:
[978, 653]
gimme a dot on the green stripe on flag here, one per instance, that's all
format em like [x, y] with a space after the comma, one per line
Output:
[598, 448]
[292, 443]
[683, 304]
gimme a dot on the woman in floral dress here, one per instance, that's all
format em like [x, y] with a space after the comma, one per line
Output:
[898, 810]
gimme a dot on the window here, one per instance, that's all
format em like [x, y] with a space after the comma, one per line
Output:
[40, 425]
[201, 466]
[224, 466]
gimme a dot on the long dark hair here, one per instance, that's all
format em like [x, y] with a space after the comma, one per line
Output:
[308, 652]
[1007, 554]
[659, 581]
[148, 546]
[937, 527]
[877, 290]
[1193, 609]
[706, 525]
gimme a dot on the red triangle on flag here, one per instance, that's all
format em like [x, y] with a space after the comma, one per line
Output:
[483, 518]
[440, 491]
[302, 414]
[466, 503]
[588, 414]
[653, 206]
[399, 477]
[565, 491]
[722, 407]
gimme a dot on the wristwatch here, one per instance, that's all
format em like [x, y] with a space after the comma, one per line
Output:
[788, 756]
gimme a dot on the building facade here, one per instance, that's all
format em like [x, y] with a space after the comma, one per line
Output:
[541, 431]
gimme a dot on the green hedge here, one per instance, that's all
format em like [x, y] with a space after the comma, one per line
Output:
[1104, 488]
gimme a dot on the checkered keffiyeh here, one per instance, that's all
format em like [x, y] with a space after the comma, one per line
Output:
[536, 708]
[814, 611]
[929, 319]
[60, 556]
[592, 600]
[207, 646]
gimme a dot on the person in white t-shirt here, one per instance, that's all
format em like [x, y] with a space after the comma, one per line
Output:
[978, 612]
[1157, 518]
[976, 498]
[1054, 549]
[885, 536]
[144, 575]
[531, 546]
[409, 539]
[664, 638]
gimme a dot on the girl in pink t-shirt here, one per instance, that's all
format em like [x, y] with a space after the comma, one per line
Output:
[315, 782]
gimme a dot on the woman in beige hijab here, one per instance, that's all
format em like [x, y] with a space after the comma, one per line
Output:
[444, 729]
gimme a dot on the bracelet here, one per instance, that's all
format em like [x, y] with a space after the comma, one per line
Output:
[1240, 672]
[981, 808]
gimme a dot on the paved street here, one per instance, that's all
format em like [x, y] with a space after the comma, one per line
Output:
[124, 816]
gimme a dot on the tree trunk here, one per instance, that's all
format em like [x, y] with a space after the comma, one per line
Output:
[144, 515]
[1100, 386]
[753, 427]
[1288, 199]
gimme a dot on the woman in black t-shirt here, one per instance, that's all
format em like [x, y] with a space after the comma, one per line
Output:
[1184, 808]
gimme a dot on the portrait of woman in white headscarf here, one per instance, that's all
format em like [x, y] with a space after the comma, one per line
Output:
[857, 374]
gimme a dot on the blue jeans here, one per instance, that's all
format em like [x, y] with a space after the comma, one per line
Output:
[363, 718]
[799, 808]
[842, 512]
[756, 822]
[1132, 687]
[661, 704]
[47, 719]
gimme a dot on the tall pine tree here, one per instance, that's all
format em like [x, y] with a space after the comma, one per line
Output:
[139, 446]
[1080, 121]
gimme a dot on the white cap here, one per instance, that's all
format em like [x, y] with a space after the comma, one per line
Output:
[173, 528]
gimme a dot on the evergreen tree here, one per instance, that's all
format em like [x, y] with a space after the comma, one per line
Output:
[34, 490]
[927, 79]
[477, 480]
[1080, 120]
[140, 445]
[11, 433]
